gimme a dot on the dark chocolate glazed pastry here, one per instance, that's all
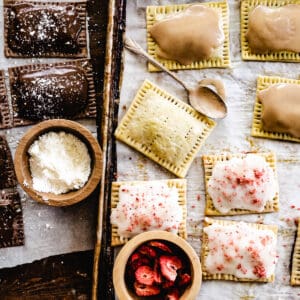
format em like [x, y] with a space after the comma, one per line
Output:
[55, 92]
[11, 223]
[35, 29]
[7, 172]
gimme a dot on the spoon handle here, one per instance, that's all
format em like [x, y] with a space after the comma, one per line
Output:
[134, 47]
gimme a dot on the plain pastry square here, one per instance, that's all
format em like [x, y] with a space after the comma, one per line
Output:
[246, 7]
[157, 12]
[264, 82]
[209, 161]
[295, 276]
[164, 128]
[205, 251]
[180, 185]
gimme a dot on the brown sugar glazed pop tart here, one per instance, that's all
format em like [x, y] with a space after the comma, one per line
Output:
[188, 36]
[270, 30]
[179, 29]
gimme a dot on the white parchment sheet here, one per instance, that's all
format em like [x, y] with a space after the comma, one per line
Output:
[231, 134]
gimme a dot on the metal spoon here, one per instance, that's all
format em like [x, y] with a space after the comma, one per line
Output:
[207, 97]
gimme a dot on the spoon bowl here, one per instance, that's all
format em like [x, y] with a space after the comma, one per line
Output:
[207, 97]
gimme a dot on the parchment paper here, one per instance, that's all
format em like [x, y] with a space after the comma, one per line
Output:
[232, 134]
[48, 230]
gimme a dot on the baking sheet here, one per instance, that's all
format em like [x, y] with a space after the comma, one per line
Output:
[231, 134]
[48, 230]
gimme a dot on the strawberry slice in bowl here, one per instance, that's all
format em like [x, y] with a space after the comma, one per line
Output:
[157, 265]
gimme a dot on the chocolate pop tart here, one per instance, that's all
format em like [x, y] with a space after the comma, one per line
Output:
[5, 118]
[48, 91]
[11, 221]
[45, 29]
[7, 171]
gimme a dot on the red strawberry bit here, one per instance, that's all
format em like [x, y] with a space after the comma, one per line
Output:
[243, 270]
[243, 180]
[169, 266]
[146, 290]
[258, 173]
[185, 279]
[173, 295]
[220, 267]
[259, 270]
[147, 251]
[144, 275]
[161, 246]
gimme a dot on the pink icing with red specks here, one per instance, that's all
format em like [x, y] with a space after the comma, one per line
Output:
[147, 206]
[241, 250]
[243, 183]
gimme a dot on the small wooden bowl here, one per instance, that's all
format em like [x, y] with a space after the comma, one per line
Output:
[123, 292]
[21, 162]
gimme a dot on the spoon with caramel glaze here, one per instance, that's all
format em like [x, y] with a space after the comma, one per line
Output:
[208, 96]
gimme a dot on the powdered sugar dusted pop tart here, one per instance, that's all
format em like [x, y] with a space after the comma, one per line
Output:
[238, 251]
[139, 206]
[240, 184]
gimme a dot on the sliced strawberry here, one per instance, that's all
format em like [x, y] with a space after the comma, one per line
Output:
[168, 284]
[147, 251]
[184, 279]
[144, 275]
[157, 275]
[172, 295]
[169, 266]
[143, 261]
[135, 256]
[146, 290]
[161, 246]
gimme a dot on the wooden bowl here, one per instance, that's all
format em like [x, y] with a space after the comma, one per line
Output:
[21, 162]
[123, 292]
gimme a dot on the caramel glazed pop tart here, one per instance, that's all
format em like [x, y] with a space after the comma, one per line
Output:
[277, 109]
[206, 47]
[270, 30]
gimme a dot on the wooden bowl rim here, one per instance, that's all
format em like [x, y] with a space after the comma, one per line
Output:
[120, 263]
[22, 170]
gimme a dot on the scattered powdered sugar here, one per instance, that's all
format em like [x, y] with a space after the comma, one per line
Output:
[59, 162]
[147, 206]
